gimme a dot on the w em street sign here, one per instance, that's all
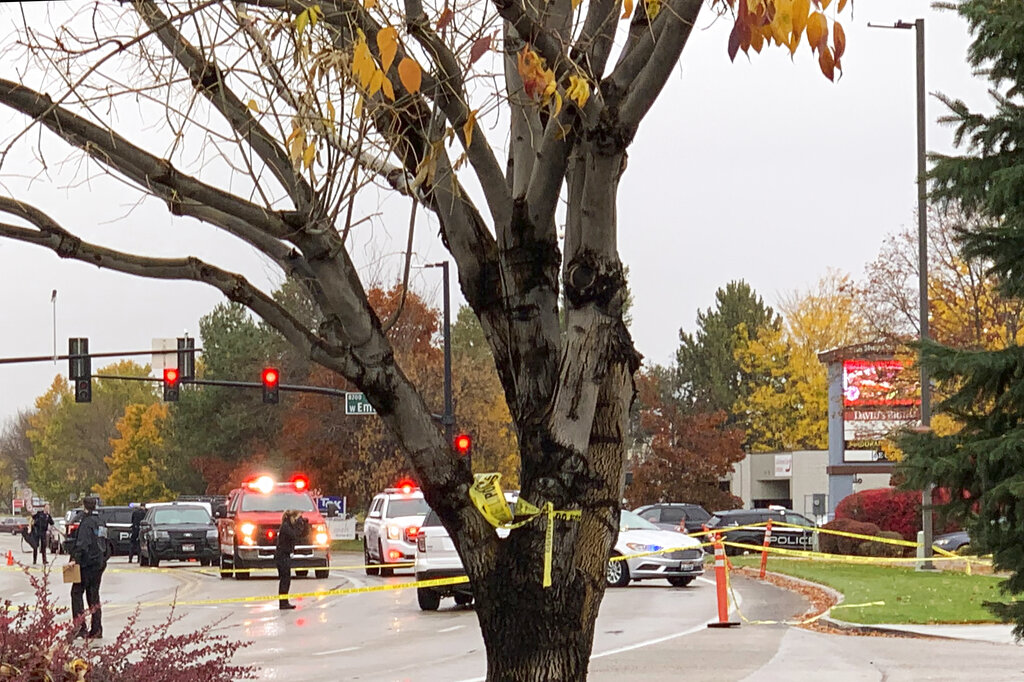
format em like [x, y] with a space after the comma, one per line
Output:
[356, 403]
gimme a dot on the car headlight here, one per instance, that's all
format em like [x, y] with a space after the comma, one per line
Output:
[163, 535]
[211, 535]
[945, 542]
[321, 538]
[637, 547]
[394, 532]
[247, 529]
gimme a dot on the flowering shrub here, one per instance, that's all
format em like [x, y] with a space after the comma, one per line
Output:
[892, 510]
[37, 645]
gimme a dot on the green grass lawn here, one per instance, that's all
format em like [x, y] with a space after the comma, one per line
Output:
[909, 596]
[346, 545]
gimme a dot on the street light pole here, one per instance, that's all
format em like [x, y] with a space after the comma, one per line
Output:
[53, 300]
[448, 418]
[928, 531]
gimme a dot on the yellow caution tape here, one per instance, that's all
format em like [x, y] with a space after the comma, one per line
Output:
[487, 496]
[836, 558]
[525, 508]
[436, 582]
[565, 515]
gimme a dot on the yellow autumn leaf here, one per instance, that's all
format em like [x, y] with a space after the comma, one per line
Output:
[297, 146]
[410, 75]
[357, 111]
[467, 127]
[825, 4]
[314, 14]
[330, 111]
[387, 43]
[578, 90]
[369, 4]
[801, 9]
[375, 82]
[627, 8]
[309, 155]
[817, 30]
[252, 105]
[782, 22]
[653, 9]
[576, 3]
[389, 90]
[363, 65]
[300, 21]
[558, 103]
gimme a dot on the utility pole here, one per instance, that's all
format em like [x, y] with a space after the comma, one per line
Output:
[448, 418]
[927, 528]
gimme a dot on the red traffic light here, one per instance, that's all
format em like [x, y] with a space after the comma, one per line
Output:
[463, 443]
[270, 376]
[171, 375]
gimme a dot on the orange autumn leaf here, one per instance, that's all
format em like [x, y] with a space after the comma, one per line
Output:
[410, 74]
[827, 63]
[467, 127]
[817, 30]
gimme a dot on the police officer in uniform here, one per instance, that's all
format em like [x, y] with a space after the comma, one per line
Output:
[89, 554]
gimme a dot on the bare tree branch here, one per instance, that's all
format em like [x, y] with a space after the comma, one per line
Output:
[152, 174]
[208, 80]
[657, 67]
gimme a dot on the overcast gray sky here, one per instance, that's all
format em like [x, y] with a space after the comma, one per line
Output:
[761, 170]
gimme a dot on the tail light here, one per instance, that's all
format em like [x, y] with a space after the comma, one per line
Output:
[421, 542]
[411, 533]
[394, 555]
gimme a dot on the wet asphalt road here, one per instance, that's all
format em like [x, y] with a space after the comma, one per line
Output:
[376, 636]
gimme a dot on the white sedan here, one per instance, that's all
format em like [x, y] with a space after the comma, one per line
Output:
[680, 564]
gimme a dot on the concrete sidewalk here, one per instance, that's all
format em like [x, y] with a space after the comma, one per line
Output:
[776, 651]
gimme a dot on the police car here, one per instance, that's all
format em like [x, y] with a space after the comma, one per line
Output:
[392, 527]
[787, 538]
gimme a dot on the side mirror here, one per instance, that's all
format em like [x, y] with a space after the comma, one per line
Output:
[221, 511]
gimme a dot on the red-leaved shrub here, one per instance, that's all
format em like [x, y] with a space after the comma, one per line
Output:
[838, 544]
[892, 510]
[36, 644]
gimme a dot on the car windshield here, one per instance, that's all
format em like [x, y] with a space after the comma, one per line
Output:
[181, 515]
[630, 521]
[278, 501]
[416, 506]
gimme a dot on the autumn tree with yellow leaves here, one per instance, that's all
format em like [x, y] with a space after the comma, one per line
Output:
[300, 109]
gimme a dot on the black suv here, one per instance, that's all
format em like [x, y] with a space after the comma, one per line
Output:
[118, 524]
[786, 538]
[178, 531]
[667, 515]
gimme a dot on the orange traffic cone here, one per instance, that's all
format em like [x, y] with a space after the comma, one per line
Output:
[10, 558]
[722, 585]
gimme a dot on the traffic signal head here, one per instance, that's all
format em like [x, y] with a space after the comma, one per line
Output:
[463, 444]
[271, 385]
[172, 381]
[83, 390]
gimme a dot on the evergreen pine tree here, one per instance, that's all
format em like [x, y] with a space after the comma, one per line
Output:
[983, 464]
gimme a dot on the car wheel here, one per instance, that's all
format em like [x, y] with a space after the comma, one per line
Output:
[301, 574]
[384, 571]
[370, 569]
[322, 573]
[617, 574]
[463, 599]
[679, 581]
[225, 570]
[204, 562]
[428, 599]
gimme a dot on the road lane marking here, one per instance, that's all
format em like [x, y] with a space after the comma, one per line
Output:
[454, 627]
[336, 651]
